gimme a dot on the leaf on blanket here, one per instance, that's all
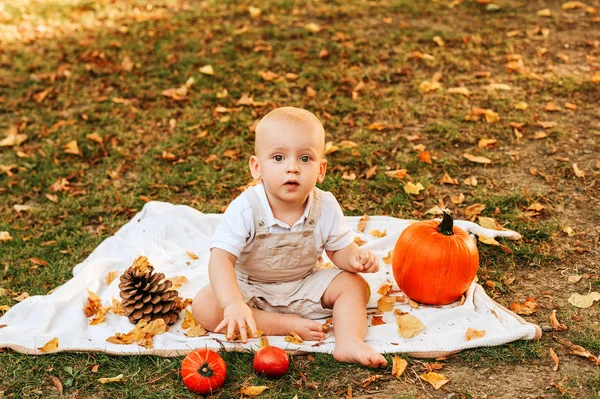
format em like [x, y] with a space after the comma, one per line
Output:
[413, 304]
[378, 233]
[177, 281]
[584, 301]
[385, 287]
[408, 325]
[388, 259]
[117, 307]
[93, 305]
[385, 304]
[191, 255]
[196, 331]
[489, 223]
[293, 338]
[472, 333]
[142, 333]
[105, 380]
[362, 223]
[556, 325]
[528, 307]
[358, 241]
[377, 320]
[435, 379]
[188, 320]
[238, 337]
[50, 345]
[111, 276]
[327, 325]
[398, 366]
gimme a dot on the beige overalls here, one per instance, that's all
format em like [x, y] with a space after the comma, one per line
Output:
[283, 272]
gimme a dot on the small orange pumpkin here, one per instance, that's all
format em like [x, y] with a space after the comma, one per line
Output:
[435, 262]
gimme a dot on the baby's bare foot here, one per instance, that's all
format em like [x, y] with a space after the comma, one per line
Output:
[308, 330]
[358, 352]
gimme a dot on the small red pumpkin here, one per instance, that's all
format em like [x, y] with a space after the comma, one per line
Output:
[270, 361]
[434, 263]
[203, 371]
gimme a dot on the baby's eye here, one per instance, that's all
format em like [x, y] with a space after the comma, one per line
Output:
[305, 158]
[278, 157]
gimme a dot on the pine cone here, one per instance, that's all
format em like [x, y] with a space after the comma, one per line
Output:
[147, 295]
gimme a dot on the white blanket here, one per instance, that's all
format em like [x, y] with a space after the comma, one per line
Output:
[165, 233]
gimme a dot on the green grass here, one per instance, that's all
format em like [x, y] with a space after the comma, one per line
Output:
[80, 58]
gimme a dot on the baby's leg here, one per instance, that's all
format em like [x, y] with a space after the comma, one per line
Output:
[208, 312]
[347, 296]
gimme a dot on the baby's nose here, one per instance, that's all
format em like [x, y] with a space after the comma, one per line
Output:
[293, 167]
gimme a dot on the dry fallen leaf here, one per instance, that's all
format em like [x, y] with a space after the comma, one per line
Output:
[293, 338]
[177, 281]
[427, 86]
[207, 70]
[385, 304]
[576, 349]
[477, 159]
[188, 320]
[362, 222]
[472, 333]
[5, 236]
[411, 188]
[556, 325]
[378, 233]
[50, 345]
[388, 259]
[584, 301]
[554, 358]
[72, 148]
[528, 307]
[377, 320]
[459, 90]
[105, 380]
[253, 390]
[111, 276]
[398, 173]
[196, 331]
[435, 379]
[141, 334]
[398, 366]
[408, 325]
[489, 223]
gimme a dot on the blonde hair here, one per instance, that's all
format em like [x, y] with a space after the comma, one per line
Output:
[291, 115]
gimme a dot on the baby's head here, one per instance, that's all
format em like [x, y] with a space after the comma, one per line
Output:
[289, 151]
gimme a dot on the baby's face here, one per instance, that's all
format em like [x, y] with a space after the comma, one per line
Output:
[289, 159]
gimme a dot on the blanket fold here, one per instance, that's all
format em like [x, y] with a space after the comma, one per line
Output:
[170, 235]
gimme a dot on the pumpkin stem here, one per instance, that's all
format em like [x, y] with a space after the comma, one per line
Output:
[205, 370]
[445, 226]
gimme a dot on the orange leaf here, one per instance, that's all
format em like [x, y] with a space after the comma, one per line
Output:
[50, 345]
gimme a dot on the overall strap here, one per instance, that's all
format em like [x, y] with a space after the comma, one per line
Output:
[260, 217]
[315, 208]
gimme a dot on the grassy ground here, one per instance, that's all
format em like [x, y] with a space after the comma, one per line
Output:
[94, 73]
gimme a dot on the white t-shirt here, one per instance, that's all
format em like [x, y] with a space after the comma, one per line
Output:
[236, 232]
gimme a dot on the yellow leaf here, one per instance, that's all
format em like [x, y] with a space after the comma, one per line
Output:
[408, 325]
[93, 304]
[448, 180]
[178, 281]
[398, 174]
[569, 231]
[459, 90]
[411, 188]
[398, 366]
[491, 116]
[388, 259]
[472, 333]
[498, 86]
[435, 210]
[438, 40]
[376, 126]
[110, 277]
[385, 287]
[385, 304]
[254, 11]
[378, 233]
[474, 209]
[578, 172]
[536, 206]
[196, 331]
[544, 13]
[312, 27]
[521, 105]
[50, 345]
[5, 236]
[189, 320]
[435, 379]
[457, 199]
[253, 390]
[484, 143]
[477, 159]
[4, 308]
[427, 86]
[22, 208]
[95, 137]
[293, 338]
[348, 176]
[104, 380]
[207, 70]
[72, 148]
[191, 255]
[268, 75]
[13, 138]
[584, 301]
[528, 307]
[470, 181]
[569, 5]
[554, 358]
[362, 222]
[489, 223]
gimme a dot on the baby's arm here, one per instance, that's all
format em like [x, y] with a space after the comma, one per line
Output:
[236, 314]
[354, 260]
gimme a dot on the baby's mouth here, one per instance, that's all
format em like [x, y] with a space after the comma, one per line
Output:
[291, 183]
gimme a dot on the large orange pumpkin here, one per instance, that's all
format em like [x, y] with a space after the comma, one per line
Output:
[435, 262]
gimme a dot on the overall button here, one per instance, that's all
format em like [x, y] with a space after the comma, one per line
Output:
[311, 222]
[262, 236]
[306, 233]
[261, 223]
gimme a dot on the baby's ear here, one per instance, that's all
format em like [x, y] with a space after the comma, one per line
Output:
[254, 167]
[322, 170]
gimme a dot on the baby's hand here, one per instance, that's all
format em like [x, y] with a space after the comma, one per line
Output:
[364, 261]
[238, 315]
